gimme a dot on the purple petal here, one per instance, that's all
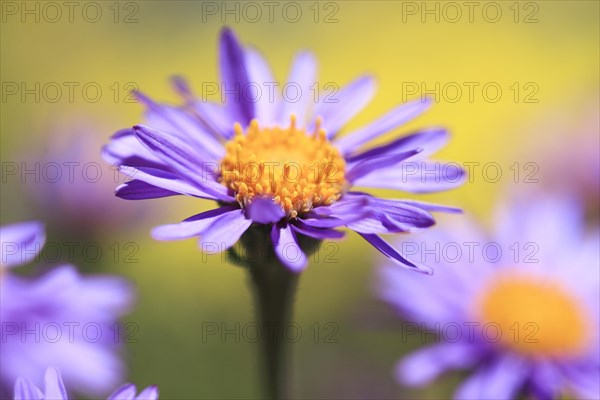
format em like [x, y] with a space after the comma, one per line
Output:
[174, 152]
[260, 73]
[378, 215]
[215, 117]
[501, 379]
[434, 207]
[26, 390]
[415, 177]
[125, 392]
[208, 189]
[180, 124]
[316, 233]
[426, 364]
[182, 87]
[21, 242]
[430, 140]
[374, 165]
[193, 226]
[345, 104]
[225, 231]
[150, 393]
[125, 149]
[235, 77]
[264, 210]
[302, 76]
[388, 251]
[181, 157]
[389, 121]
[54, 386]
[322, 221]
[287, 249]
[139, 190]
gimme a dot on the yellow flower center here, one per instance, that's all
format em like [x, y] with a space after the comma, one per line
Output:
[535, 317]
[296, 169]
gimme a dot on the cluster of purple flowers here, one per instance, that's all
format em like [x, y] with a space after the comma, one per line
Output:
[44, 322]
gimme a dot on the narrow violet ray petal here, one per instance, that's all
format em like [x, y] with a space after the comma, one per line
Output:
[431, 207]
[260, 74]
[139, 190]
[430, 140]
[379, 215]
[125, 392]
[193, 226]
[26, 390]
[178, 123]
[150, 393]
[287, 249]
[209, 115]
[214, 116]
[169, 181]
[387, 250]
[235, 77]
[345, 104]
[321, 221]
[125, 149]
[380, 223]
[202, 174]
[302, 75]
[373, 164]
[386, 123]
[415, 177]
[54, 386]
[179, 155]
[182, 87]
[225, 231]
[316, 233]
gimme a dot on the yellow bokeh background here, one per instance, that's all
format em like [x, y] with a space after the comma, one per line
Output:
[178, 290]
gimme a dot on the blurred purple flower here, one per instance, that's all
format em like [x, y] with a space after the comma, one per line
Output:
[72, 191]
[54, 389]
[579, 176]
[59, 318]
[20, 243]
[278, 162]
[526, 324]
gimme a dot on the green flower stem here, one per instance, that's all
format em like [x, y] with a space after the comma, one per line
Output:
[274, 287]
[274, 290]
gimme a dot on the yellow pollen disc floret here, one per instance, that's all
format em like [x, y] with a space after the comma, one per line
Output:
[536, 317]
[298, 170]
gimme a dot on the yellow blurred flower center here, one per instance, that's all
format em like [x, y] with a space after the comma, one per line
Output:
[297, 169]
[536, 318]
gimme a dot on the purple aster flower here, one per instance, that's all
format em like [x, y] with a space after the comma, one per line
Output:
[282, 163]
[54, 389]
[526, 321]
[72, 193]
[59, 318]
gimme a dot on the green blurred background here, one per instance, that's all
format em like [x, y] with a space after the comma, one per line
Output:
[549, 48]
